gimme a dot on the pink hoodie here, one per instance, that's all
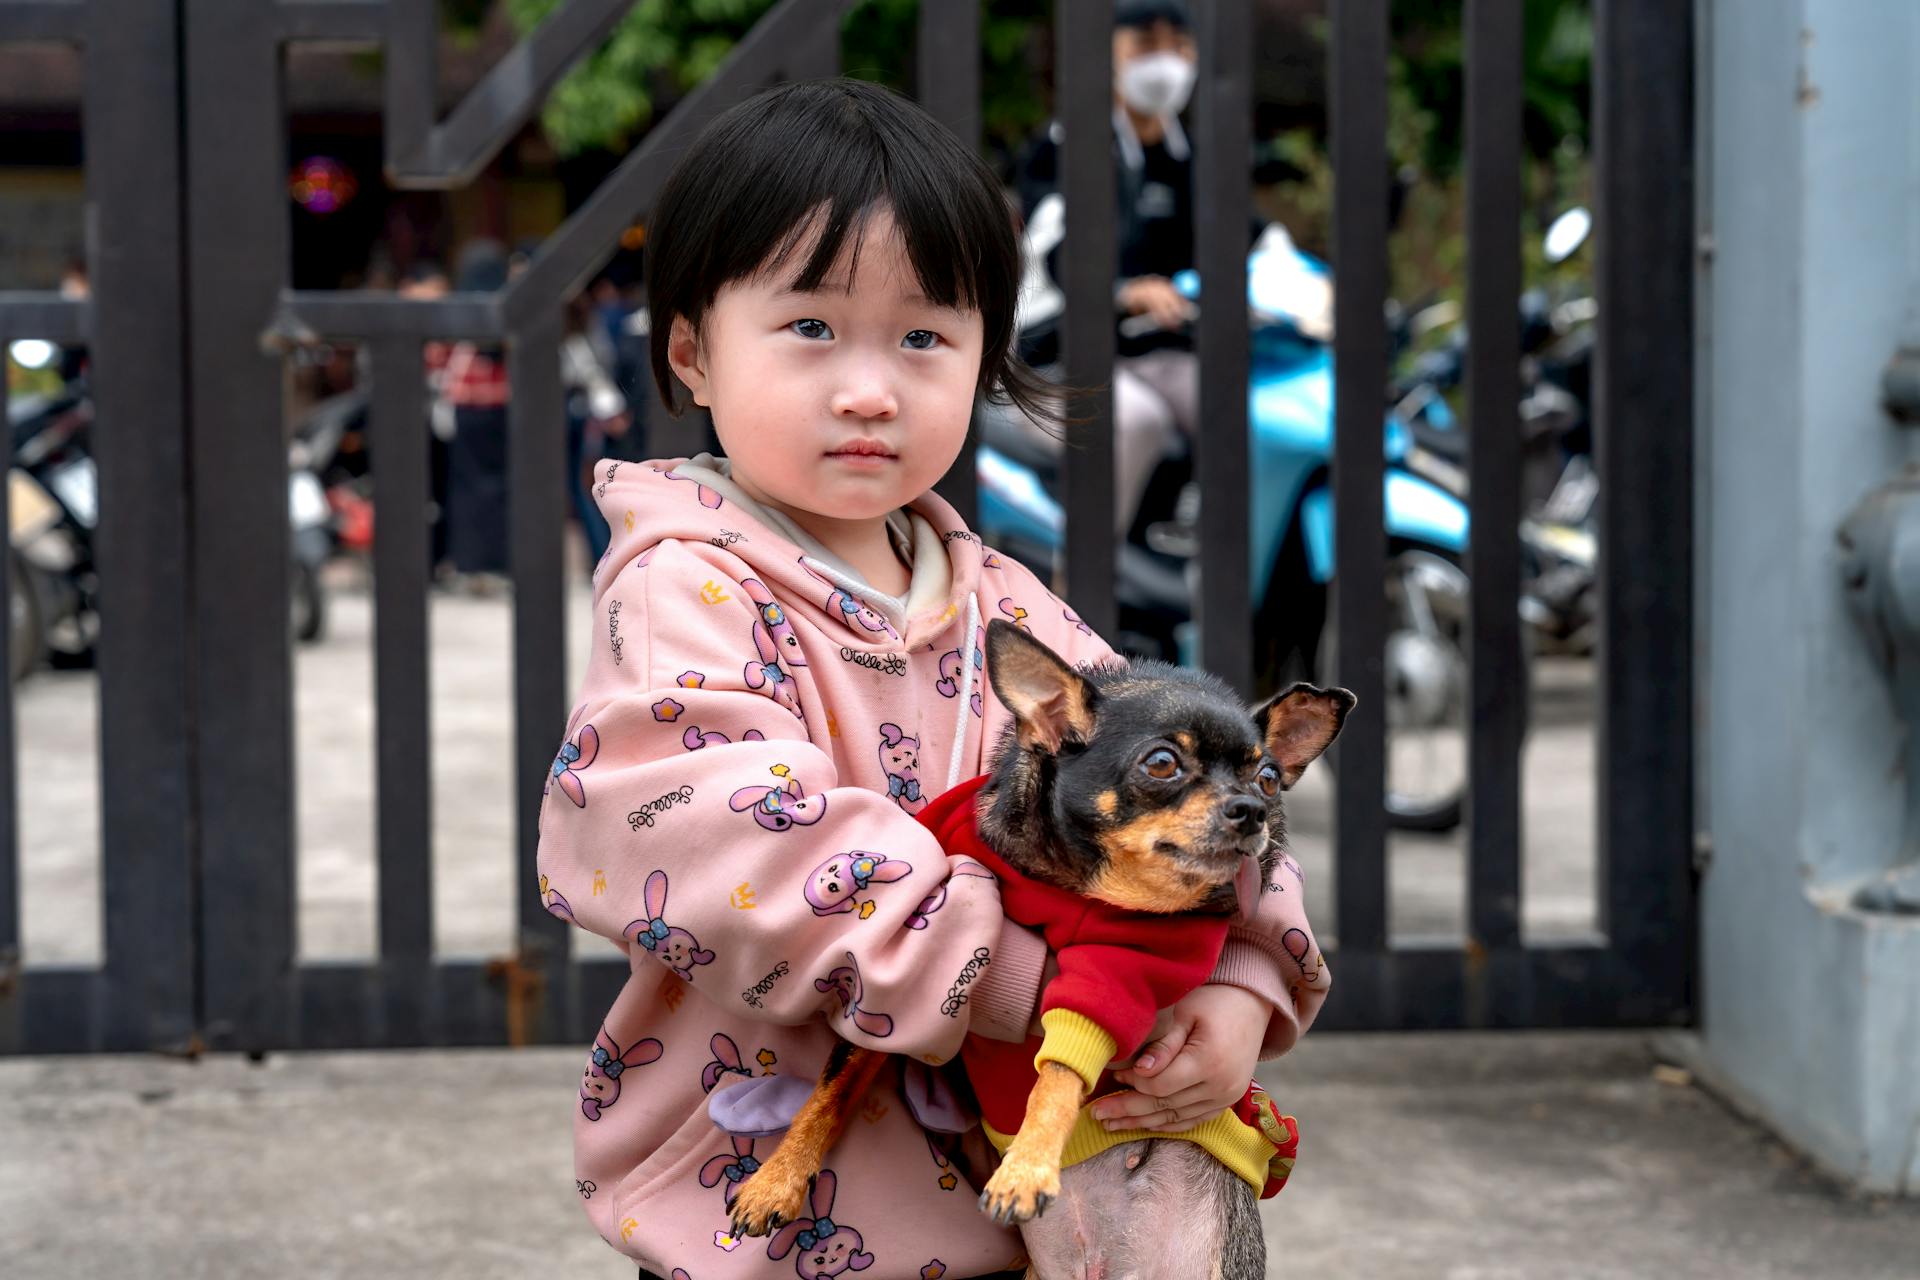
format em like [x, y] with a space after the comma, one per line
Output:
[734, 802]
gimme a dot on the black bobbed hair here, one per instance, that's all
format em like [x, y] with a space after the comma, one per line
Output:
[756, 182]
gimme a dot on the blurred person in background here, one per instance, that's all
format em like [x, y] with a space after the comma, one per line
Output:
[1156, 386]
[424, 281]
[597, 413]
[474, 387]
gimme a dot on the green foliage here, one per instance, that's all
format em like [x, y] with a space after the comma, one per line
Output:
[663, 48]
[1429, 87]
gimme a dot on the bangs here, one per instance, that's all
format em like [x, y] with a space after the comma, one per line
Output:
[813, 246]
[813, 175]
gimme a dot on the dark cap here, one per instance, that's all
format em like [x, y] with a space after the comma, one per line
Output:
[1144, 13]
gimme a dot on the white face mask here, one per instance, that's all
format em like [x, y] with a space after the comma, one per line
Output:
[1157, 84]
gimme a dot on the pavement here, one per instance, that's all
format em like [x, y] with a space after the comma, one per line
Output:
[1530, 1156]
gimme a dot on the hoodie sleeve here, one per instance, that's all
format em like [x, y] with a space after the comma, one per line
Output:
[1273, 955]
[1276, 956]
[690, 816]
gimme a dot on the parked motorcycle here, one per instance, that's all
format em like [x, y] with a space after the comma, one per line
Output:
[1558, 483]
[1291, 526]
[51, 488]
[53, 494]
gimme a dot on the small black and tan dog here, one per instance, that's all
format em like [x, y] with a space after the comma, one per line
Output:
[1148, 788]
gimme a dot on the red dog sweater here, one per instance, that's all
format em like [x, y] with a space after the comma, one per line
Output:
[1118, 968]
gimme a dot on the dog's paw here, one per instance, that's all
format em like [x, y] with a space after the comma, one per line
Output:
[1019, 1191]
[775, 1195]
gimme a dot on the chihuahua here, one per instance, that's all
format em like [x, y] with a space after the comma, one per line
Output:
[1131, 814]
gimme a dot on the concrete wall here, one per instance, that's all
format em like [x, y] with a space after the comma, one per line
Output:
[1811, 1010]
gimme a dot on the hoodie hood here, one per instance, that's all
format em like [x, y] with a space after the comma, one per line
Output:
[695, 500]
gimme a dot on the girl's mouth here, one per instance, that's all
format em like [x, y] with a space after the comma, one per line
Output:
[863, 452]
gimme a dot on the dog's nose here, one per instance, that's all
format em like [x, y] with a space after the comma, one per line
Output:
[1245, 813]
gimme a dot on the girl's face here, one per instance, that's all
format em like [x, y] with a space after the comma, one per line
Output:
[845, 403]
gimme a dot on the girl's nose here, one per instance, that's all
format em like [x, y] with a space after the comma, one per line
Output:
[866, 396]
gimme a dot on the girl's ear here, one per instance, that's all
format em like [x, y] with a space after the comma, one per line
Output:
[683, 356]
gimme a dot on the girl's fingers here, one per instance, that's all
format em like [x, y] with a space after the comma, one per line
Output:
[1181, 1119]
[1131, 1110]
[1153, 1059]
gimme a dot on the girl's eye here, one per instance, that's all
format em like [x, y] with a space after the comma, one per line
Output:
[815, 329]
[1161, 765]
[1268, 778]
[921, 340]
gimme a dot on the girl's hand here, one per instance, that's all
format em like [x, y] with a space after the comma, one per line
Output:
[1200, 1066]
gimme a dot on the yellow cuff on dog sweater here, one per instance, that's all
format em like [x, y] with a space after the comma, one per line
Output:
[1077, 1041]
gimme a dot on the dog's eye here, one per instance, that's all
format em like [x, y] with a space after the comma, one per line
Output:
[1161, 765]
[1268, 778]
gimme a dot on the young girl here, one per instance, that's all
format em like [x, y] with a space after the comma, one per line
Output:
[786, 667]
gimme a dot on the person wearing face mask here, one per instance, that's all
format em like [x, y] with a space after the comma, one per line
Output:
[1156, 376]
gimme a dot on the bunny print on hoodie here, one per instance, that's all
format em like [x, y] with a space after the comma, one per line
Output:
[755, 730]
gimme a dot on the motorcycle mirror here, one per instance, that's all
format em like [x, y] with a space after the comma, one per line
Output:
[1568, 232]
[33, 353]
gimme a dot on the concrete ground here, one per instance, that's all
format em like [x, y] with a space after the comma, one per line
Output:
[471, 711]
[1424, 1157]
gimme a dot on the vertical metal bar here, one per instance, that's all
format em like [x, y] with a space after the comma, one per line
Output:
[536, 509]
[949, 80]
[1084, 105]
[398, 427]
[1493, 396]
[816, 54]
[12, 998]
[1359, 49]
[1223, 200]
[412, 78]
[1643, 179]
[147, 747]
[949, 64]
[237, 237]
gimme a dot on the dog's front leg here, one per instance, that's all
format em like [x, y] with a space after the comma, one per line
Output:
[777, 1193]
[1028, 1179]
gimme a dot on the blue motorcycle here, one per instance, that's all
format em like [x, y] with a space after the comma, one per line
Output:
[1290, 407]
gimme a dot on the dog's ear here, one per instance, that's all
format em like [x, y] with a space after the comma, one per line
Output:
[1299, 723]
[1050, 701]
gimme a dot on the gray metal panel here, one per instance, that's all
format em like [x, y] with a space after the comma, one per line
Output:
[1643, 179]
[1223, 203]
[397, 425]
[1359, 52]
[141, 545]
[537, 510]
[949, 83]
[1499, 669]
[238, 231]
[1084, 104]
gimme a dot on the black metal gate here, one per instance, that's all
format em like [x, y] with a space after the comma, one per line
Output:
[189, 254]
